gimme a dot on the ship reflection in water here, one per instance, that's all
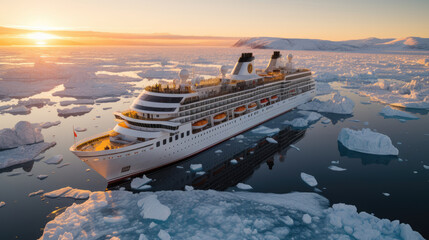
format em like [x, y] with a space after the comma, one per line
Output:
[219, 172]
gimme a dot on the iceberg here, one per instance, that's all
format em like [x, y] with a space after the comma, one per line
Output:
[76, 111]
[337, 104]
[219, 215]
[22, 134]
[367, 141]
[309, 179]
[390, 112]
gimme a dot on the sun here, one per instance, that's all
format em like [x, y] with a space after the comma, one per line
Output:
[41, 37]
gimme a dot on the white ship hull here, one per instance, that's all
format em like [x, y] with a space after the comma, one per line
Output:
[118, 164]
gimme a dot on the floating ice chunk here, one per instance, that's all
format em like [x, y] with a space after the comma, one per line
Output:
[297, 123]
[42, 176]
[55, 159]
[233, 161]
[137, 183]
[243, 186]
[22, 154]
[390, 112]
[181, 167]
[306, 218]
[309, 179]
[218, 151]
[58, 192]
[367, 141]
[163, 235]
[142, 237]
[386, 194]
[46, 124]
[415, 172]
[107, 108]
[196, 167]
[189, 188]
[35, 193]
[295, 147]
[200, 173]
[271, 140]
[77, 102]
[326, 121]
[426, 167]
[107, 99]
[239, 137]
[79, 129]
[310, 116]
[151, 208]
[2, 204]
[68, 192]
[152, 225]
[264, 130]
[17, 110]
[335, 162]
[336, 168]
[75, 111]
[22, 134]
[337, 104]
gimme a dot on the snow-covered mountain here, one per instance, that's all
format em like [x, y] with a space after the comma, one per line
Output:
[400, 44]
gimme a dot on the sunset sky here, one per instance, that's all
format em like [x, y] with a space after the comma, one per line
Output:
[327, 19]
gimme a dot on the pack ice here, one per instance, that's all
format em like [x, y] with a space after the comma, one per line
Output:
[219, 215]
[337, 104]
[367, 141]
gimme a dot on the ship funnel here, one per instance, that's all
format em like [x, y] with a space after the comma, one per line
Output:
[275, 62]
[244, 65]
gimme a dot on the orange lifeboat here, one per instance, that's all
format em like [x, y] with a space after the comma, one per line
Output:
[219, 117]
[239, 110]
[200, 124]
[264, 101]
[252, 106]
[274, 98]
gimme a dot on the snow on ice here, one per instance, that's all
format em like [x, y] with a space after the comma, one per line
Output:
[42, 176]
[199, 215]
[367, 141]
[309, 179]
[337, 104]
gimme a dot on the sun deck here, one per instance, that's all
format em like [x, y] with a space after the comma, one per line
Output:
[100, 144]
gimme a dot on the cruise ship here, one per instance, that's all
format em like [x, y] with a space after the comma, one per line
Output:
[167, 123]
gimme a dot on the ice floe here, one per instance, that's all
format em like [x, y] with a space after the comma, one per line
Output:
[336, 168]
[17, 110]
[45, 125]
[390, 112]
[23, 154]
[196, 167]
[68, 192]
[42, 176]
[309, 179]
[214, 215]
[35, 193]
[75, 111]
[263, 130]
[77, 102]
[107, 100]
[54, 159]
[137, 183]
[163, 235]
[306, 218]
[243, 186]
[367, 141]
[337, 104]
[326, 121]
[386, 194]
[80, 129]
[271, 140]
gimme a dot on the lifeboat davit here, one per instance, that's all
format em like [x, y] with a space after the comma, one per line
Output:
[264, 101]
[219, 117]
[252, 106]
[200, 124]
[239, 110]
[274, 98]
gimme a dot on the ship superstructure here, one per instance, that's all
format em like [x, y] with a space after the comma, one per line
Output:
[168, 123]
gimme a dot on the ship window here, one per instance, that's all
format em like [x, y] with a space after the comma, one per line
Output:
[187, 133]
[171, 139]
[126, 169]
[151, 98]
[182, 135]
[164, 141]
[157, 144]
[153, 109]
[177, 137]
